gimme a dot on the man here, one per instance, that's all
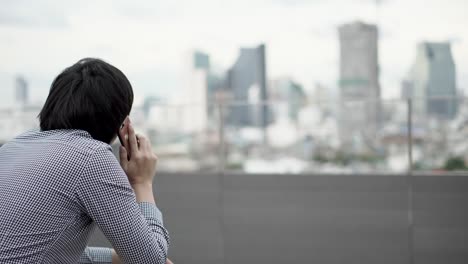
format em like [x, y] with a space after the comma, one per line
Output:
[59, 182]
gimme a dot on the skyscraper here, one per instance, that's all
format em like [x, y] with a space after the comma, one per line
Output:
[246, 82]
[359, 80]
[200, 60]
[21, 90]
[196, 111]
[431, 82]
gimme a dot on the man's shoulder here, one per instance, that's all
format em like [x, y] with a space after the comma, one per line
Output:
[74, 140]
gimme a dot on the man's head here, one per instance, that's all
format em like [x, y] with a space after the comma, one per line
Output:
[91, 95]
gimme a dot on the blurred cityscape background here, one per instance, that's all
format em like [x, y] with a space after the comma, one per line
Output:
[272, 106]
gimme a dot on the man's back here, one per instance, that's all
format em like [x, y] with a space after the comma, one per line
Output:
[52, 187]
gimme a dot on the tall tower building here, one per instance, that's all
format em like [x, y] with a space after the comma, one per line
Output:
[247, 83]
[200, 60]
[197, 92]
[21, 91]
[359, 80]
[431, 82]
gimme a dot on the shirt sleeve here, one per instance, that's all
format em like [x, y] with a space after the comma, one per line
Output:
[93, 255]
[135, 230]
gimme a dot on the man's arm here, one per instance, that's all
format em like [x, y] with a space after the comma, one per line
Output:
[134, 229]
[110, 195]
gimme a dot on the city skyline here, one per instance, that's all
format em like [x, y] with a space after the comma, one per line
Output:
[147, 40]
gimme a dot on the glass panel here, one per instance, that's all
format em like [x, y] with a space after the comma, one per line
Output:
[358, 137]
[439, 134]
[318, 137]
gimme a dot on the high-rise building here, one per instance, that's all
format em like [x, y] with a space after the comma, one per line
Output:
[359, 80]
[431, 82]
[195, 118]
[21, 91]
[200, 60]
[199, 99]
[289, 93]
[246, 81]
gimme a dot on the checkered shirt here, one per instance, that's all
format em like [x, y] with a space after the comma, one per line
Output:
[55, 187]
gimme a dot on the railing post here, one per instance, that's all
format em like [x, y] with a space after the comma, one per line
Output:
[222, 141]
[221, 175]
[409, 182]
[410, 135]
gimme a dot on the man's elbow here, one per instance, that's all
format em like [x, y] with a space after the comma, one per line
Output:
[160, 252]
[151, 253]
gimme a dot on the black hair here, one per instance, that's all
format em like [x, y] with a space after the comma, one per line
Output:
[90, 95]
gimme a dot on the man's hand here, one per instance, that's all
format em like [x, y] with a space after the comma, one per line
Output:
[141, 166]
[139, 163]
[116, 259]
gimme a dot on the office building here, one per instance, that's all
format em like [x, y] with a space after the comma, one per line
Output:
[21, 91]
[359, 81]
[246, 82]
[195, 118]
[431, 82]
[200, 60]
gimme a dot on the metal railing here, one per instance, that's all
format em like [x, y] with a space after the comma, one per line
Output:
[295, 136]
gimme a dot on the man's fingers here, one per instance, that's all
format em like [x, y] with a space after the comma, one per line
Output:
[143, 142]
[125, 136]
[127, 129]
[123, 157]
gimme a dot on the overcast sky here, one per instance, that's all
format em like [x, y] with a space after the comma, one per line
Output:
[149, 39]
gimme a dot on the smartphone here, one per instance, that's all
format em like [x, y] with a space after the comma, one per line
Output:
[120, 138]
[122, 142]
